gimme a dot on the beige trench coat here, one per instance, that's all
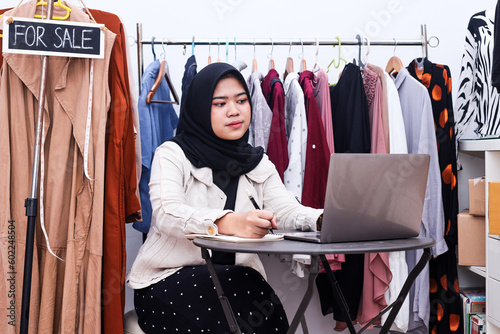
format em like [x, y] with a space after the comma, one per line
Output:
[65, 296]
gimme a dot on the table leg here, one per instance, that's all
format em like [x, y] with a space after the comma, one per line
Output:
[226, 306]
[337, 294]
[406, 288]
[299, 314]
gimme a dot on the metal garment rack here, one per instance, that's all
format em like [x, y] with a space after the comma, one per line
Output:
[31, 203]
[424, 42]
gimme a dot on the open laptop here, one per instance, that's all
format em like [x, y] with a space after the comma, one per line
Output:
[371, 197]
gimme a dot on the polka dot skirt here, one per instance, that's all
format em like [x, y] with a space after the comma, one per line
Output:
[187, 302]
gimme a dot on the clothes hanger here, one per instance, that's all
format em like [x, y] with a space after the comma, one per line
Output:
[303, 65]
[270, 56]
[209, 56]
[153, 47]
[336, 65]
[162, 55]
[254, 65]
[227, 50]
[289, 61]
[162, 72]
[394, 65]
[218, 50]
[235, 51]
[239, 64]
[192, 47]
[367, 41]
[316, 67]
[58, 3]
[361, 65]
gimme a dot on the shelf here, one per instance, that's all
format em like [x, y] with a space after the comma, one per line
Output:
[479, 145]
[494, 236]
[492, 321]
[481, 271]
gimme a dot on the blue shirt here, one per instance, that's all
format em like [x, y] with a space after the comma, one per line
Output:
[157, 124]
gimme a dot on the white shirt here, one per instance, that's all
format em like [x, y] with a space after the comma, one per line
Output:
[397, 260]
[421, 138]
[261, 113]
[296, 125]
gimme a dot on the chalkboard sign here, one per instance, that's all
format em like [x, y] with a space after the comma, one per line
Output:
[53, 38]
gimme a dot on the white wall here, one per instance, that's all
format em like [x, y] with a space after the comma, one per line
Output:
[285, 20]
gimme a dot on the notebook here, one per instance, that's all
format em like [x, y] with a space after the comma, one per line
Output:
[234, 238]
[371, 197]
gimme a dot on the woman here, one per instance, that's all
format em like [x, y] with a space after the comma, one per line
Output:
[199, 184]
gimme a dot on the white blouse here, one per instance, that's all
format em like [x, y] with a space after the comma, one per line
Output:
[296, 125]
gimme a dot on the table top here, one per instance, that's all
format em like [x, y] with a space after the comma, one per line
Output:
[310, 248]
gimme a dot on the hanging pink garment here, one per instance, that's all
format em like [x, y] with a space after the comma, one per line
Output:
[377, 273]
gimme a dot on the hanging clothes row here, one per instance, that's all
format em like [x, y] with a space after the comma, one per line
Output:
[301, 119]
[84, 218]
[423, 42]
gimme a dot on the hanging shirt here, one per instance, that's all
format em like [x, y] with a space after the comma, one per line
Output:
[158, 121]
[385, 108]
[3, 10]
[375, 99]
[190, 70]
[420, 137]
[495, 71]
[437, 79]
[317, 153]
[66, 294]
[120, 201]
[397, 260]
[477, 99]
[351, 131]
[261, 113]
[295, 112]
[322, 93]
[277, 150]
[397, 132]
[377, 273]
[351, 121]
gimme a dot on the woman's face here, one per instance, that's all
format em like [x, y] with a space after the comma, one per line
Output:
[231, 111]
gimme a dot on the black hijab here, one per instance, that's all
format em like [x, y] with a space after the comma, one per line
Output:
[228, 159]
[196, 137]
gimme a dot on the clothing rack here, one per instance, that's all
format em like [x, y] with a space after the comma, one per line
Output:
[31, 203]
[424, 42]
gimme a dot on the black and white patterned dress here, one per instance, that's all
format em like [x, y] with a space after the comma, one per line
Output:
[477, 99]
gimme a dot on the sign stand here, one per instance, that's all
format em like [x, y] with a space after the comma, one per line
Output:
[31, 203]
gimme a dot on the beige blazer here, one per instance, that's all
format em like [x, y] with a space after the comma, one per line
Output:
[185, 200]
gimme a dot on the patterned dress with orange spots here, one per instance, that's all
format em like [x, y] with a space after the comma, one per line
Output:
[444, 291]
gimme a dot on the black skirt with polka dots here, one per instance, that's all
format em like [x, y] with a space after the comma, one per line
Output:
[186, 302]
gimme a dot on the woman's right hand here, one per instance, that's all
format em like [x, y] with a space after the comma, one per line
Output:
[251, 224]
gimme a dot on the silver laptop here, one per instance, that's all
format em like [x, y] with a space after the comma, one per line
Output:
[371, 197]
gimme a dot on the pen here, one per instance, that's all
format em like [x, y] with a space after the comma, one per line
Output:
[256, 206]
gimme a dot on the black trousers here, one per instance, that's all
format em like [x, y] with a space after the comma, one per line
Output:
[186, 302]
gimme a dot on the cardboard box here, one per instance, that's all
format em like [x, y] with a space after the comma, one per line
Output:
[494, 208]
[471, 239]
[477, 196]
